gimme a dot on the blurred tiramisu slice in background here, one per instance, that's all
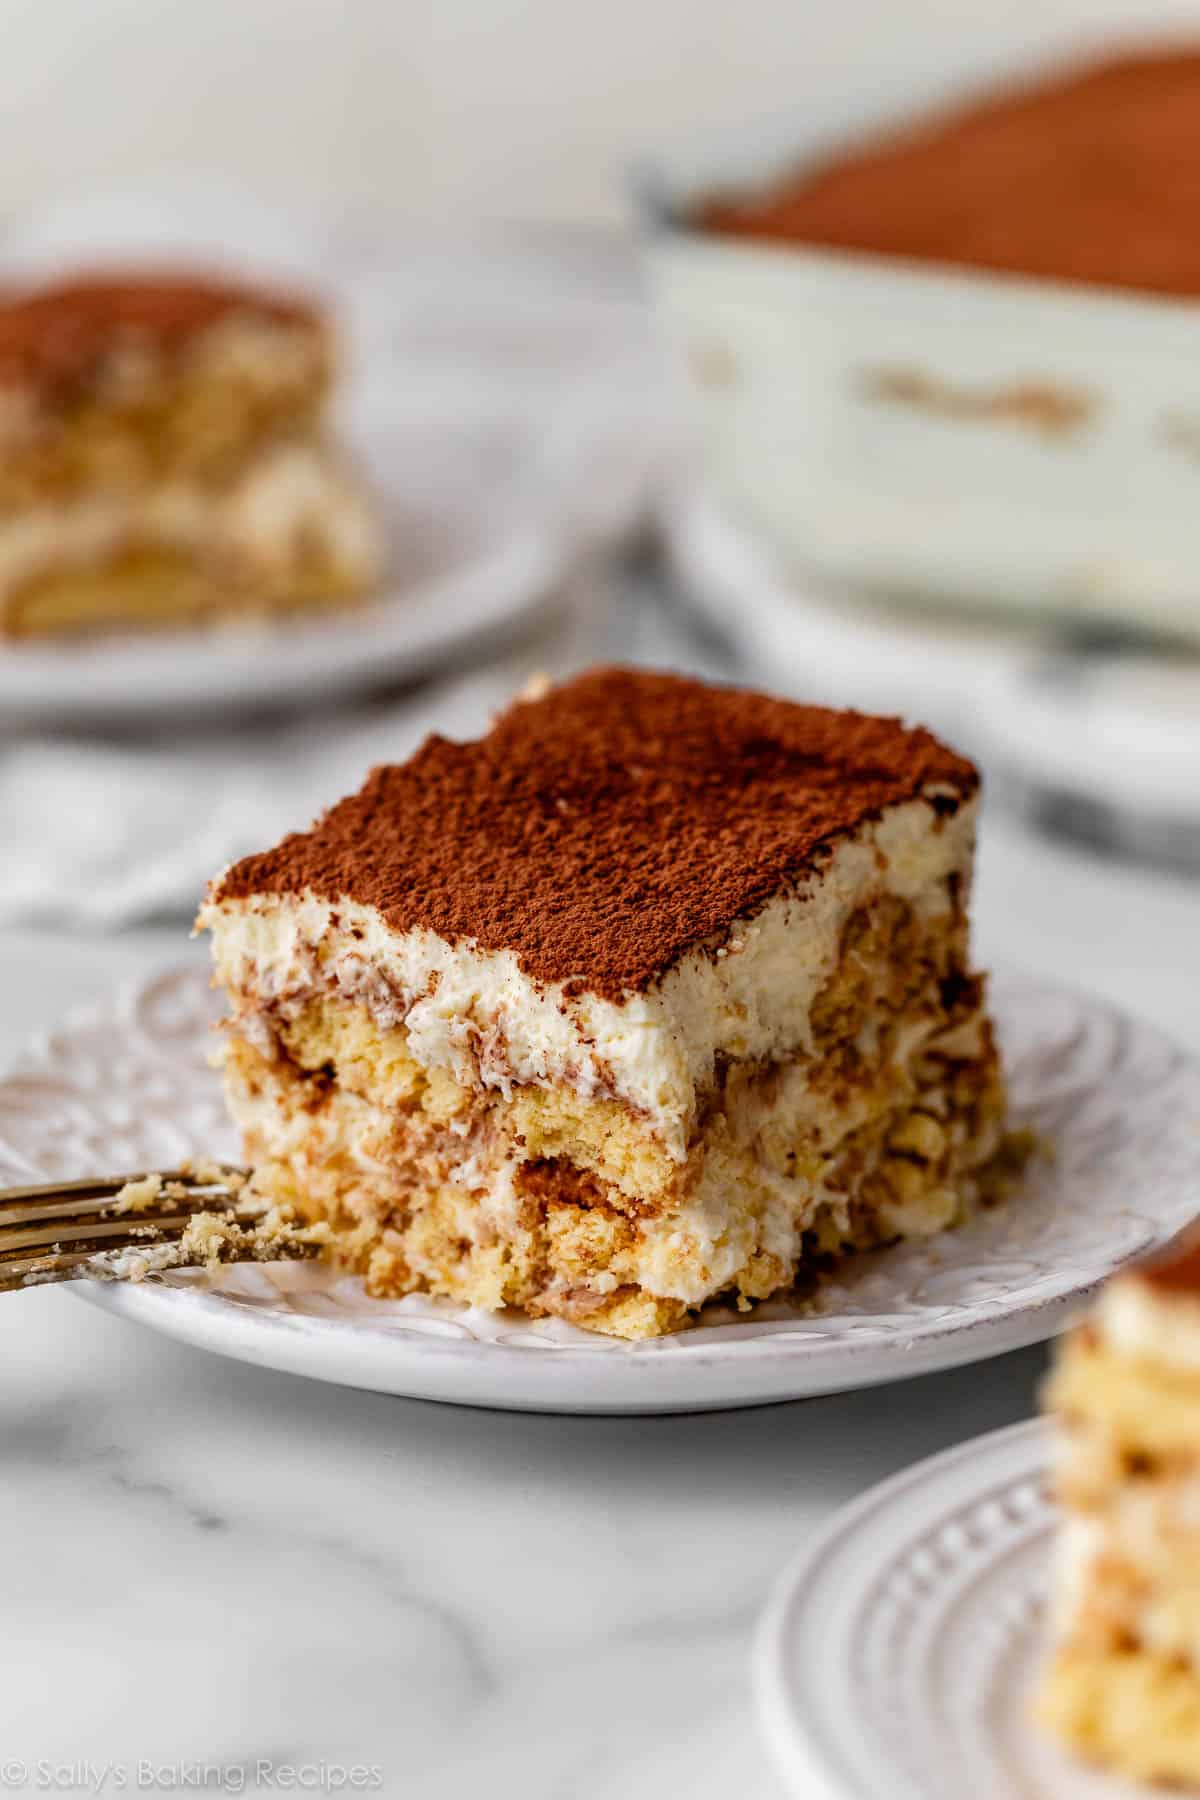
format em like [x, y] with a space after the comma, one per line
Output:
[164, 457]
[1122, 1686]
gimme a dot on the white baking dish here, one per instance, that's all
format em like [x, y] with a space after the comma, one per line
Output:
[987, 440]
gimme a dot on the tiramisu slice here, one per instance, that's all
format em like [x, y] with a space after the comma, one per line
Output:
[1123, 1683]
[655, 993]
[163, 457]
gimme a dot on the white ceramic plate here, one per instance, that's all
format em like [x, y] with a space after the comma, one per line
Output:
[127, 1086]
[896, 1658]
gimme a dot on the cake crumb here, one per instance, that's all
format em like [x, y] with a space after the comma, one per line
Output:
[138, 1196]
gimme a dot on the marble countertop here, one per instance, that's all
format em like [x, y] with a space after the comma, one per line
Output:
[224, 1573]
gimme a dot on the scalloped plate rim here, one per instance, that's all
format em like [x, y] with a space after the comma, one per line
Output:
[899, 1648]
[788, 1720]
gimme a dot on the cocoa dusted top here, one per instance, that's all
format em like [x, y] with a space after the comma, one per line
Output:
[54, 335]
[603, 830]
[1090, 174]
[1177, 1270]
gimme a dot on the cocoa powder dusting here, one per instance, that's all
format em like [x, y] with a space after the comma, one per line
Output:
[605, 829]
[57, 333]
[1089, 175]
[1178, 1269]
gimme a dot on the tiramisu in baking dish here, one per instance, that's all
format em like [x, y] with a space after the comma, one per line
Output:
[943, 353]
[658, 992]
[1085, 174]
[164, 457]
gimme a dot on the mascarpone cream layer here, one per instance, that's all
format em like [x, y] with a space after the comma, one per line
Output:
[289, 497]
[1079, 1543]
[476, 1013]
[1154, 1536]
[1138, 1319]
[736, 1207]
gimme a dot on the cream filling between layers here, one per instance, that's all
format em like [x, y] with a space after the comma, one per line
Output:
[1128, 1547]
[1162, 1614]
[476, 1013]
[289, 499]
[1078, 1545]
[739, 1204]
[1137, 1319]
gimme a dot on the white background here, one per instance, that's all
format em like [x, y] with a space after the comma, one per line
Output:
[463, 109]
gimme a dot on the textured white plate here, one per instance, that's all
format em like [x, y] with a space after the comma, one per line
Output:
[127, 1086]
[895, 1659]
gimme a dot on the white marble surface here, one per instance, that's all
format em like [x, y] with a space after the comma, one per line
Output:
[211, 1566]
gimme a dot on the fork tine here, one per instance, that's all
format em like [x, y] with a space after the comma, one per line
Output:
[60, 1264]
[136, 1229]
[177, 1189]
[58, 1255]
[40, 1269]
[67, 1258]
[15, 1271]
[106, 1188]
[97, 1207]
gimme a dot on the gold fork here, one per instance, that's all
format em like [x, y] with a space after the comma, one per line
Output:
[129, 1226]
